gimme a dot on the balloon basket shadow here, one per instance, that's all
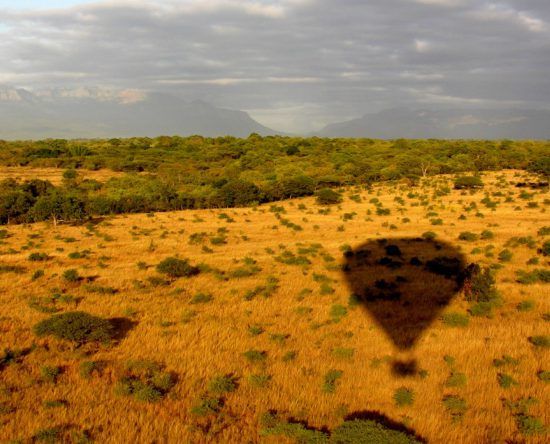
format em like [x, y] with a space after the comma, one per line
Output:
[404, 368]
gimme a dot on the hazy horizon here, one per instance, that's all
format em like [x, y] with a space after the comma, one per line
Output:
[293, 65]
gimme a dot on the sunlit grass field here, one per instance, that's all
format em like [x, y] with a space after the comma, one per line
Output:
[271, 282]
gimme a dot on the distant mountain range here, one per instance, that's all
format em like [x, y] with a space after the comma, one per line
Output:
[445, 124]
[99, 112]
[96, 112]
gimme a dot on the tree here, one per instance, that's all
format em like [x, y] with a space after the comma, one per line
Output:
[237, 193]
[58, 206]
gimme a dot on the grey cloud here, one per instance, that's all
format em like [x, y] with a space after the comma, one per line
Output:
[285, 60]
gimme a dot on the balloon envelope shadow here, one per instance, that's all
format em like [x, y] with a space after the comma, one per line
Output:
[404, 284]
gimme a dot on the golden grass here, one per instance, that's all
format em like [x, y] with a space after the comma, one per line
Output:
[213, 341]
[54, 175]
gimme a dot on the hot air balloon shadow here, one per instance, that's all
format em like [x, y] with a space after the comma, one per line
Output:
[404, 284]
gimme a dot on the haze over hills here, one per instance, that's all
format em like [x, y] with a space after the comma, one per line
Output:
[97, 112]
[445, 124]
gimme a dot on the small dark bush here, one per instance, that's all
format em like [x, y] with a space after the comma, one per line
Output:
[71, 275]
[176, 268]
[540, 341]
[468, 236]
[38, 257]
[145, 381]
[222, 384]
[76, 326]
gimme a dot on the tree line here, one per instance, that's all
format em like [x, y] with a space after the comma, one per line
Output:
[174, 173]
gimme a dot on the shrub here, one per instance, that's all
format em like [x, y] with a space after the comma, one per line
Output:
[505, 256]
[468, 182]
[222, 384]
[403, 396]
[76, 326]
[456, 379]
[525, 277]
[87, 368]
[455, 319]
[176, 268]
[540, 341]
[468, 236]
[255, 355]
[506, 381]
[527, 305]
[37, 275]
[545, 250]
[49, 436]
[207, 405]
[49, 374]
[530, 425]
[455, 405]
[326, 196]
[329, 384]
[429, 235]
[359, 431]
[145, 381]
[544, 376]
[38, 257]
[343, 353]
[201, 298]
[71, 275]
[259, 381]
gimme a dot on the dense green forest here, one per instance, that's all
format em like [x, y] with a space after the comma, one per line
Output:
[169, 173]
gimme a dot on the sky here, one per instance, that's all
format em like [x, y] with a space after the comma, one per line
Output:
[294, 65]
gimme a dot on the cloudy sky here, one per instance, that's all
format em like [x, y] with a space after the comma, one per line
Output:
[294, 65]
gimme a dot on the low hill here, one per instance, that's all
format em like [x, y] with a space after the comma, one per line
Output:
[93, 112]
[445, 124]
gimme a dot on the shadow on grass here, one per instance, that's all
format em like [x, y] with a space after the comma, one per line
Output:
[404, 284]
[122, 327]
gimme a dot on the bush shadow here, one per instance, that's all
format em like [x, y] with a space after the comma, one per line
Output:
[121, 327]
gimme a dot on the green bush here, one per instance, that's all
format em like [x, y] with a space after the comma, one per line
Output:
[145, 381]
[468, 182]
[49, 374]
[255, 355]
[455, 405]
[38, 257]
[468, 236]
[455, 319]
[71, 275]
[540, 341]
[505, 256]
[176, 268]
[544, 376]
[456, 379]
[222, 384]
[331, 377]
[506, 381]
[364, 431]
[403, 396]
[76, 326]
[326, 196]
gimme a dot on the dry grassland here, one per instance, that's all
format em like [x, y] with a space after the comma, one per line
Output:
[54, 175]
[198, 341]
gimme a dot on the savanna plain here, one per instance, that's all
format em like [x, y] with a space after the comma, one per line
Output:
[246, 325]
